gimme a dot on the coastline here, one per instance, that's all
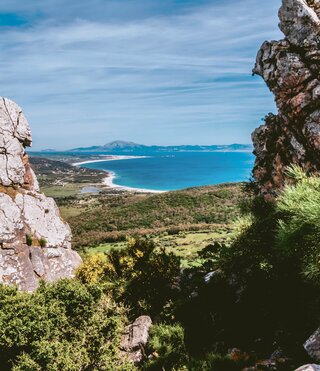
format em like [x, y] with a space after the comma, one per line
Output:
[109, 158]
[108, 180]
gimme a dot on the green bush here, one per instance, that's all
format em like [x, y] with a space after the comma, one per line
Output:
[143, 277]
[298, 235]
[29, 239]
[61, 326]
[263, 281]
[167, 344]
[43, 242]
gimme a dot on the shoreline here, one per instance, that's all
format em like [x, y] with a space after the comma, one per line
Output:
[108, 180]
[110, 158]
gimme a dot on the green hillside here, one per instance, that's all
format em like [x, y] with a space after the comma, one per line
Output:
[108, 218]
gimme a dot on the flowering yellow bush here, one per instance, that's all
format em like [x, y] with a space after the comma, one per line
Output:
[94, 268]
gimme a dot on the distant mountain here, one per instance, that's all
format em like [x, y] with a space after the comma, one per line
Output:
[129, 147]
[115, 145]
[49, 150]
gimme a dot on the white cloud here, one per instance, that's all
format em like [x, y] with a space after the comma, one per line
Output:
[134, 78]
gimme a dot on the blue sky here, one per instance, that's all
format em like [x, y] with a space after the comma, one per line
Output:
[151, 71]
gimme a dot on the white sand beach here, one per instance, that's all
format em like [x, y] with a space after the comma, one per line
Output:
[108, 158]
[108, 181]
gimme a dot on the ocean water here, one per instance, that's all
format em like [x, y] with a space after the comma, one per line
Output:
[173, 171]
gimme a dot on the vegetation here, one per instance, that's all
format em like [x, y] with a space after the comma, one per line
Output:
[140, 277]
[184, 244]
[254, 288]
[43, 242]
[111, 219]
[53, 172]
[63, 326]
[29, 239]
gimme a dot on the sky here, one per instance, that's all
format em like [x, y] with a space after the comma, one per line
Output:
[163, 72]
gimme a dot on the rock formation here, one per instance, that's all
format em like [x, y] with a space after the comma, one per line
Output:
[291, 69]
[312, 345]
[135, 338]
[34, 241]
[309, 368]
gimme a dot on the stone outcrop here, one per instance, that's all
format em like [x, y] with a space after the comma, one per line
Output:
[135, 338]
[35, 243]
[312, 367]
[312, 345]
[291, 69]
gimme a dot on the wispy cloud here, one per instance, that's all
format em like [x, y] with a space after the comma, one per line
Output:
[179, 74]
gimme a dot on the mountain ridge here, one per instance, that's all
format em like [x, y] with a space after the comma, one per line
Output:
[125, 146]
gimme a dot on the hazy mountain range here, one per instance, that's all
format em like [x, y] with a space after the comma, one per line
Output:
[123, 146]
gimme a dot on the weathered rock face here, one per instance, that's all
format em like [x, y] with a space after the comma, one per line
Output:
[291, 69]
[135, 338]
[312, 367]
[34, 241]
[312, 345]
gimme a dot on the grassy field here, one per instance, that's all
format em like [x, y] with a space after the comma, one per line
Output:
[186, 245]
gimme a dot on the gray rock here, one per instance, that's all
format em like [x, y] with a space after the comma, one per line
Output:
[300, 22]
[290, 68]
[135, 338]
[35, 243]
[312, 345]
[310, 367]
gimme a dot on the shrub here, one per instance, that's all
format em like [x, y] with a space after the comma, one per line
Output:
[298, 235]
[150, 276]
[262, 281]
[167, 344]
[61, 326]
[29, 240]
[95, 268]
[43, 242]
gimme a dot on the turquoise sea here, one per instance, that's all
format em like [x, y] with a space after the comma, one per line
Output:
[173, 171]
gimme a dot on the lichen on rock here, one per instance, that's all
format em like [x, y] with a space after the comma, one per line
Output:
[291, 69]
[35, 243]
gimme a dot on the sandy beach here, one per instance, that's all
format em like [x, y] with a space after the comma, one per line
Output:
[109, 180]
[108, 158]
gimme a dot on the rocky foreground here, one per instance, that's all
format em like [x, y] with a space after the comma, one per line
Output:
[291, 69]
[35, 243]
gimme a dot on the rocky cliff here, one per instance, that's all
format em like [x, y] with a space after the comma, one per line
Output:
[34, 241]
[291, 69]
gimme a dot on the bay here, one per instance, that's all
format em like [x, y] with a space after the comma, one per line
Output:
[173, 171]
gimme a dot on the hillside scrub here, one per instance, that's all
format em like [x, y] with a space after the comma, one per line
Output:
[62, 326]
[254, 295]
[111, 219]
[141, 277]
[261, 285]
[264, 294]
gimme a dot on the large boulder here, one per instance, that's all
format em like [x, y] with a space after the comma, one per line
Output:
[312, 345]
[291, 69]
[135, 338]
[310, 367]
[35, 243]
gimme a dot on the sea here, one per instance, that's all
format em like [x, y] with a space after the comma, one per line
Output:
[178, 170]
